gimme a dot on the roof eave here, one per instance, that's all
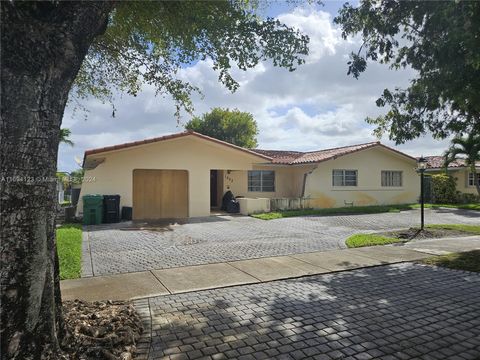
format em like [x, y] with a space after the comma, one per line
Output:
[170, 137]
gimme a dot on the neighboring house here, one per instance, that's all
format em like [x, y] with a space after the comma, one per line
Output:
[60, 191]
[457, 169]
[186, 174]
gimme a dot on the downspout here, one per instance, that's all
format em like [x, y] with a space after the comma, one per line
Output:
[305, 180]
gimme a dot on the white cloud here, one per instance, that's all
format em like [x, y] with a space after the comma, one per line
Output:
[317, 106]
[324, 38]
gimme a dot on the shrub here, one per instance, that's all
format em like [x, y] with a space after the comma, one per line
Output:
[444, 189]
[465, 198]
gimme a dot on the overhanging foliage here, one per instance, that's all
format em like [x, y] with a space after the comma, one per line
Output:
[148, 42]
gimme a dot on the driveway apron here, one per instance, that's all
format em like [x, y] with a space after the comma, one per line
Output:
[120, 248]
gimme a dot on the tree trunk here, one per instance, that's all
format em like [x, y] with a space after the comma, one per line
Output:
[43, 46]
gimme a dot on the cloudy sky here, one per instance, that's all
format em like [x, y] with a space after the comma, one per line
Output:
[316, 107]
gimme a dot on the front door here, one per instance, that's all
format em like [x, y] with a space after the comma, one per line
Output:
[213, 188]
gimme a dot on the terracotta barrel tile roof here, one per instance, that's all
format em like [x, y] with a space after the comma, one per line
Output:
[297, 157]
[280, 156]
[436, 162]
[323, 155]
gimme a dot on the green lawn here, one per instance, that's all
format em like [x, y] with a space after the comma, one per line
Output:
[69, 249]
[333, 211]
[360, 240]
[471, 206]
[473, 229]
[469, 261]
[375, 209]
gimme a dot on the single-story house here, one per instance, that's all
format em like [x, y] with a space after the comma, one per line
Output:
[457, 169]
[186, 175]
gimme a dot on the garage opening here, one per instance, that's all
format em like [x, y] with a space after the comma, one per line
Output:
[160, 194]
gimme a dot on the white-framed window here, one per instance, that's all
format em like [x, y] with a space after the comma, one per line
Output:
[470, 179]
[344, 177]
[261, 180]
[392, 178]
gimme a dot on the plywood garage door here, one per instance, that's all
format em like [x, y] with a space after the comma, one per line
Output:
[160, 194]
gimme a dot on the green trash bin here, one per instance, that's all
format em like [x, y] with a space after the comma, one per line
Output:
[92, 209]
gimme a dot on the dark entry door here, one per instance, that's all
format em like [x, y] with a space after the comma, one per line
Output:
[213, 188]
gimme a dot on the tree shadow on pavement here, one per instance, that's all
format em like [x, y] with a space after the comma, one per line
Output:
[401, 311]
[459, 212]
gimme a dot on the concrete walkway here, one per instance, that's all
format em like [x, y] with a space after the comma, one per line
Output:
[210, 276]
[445, 245]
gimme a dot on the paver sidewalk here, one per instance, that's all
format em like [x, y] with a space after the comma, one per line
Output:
[210, 276]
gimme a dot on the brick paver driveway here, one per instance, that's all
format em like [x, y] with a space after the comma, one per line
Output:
[119, 249]
[403, 311]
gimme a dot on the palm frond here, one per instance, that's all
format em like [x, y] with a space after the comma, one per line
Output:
[64, 136]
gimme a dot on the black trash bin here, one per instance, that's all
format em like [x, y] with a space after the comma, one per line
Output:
[126, 213]
[111, 208]
[233, 207]
[227, 197]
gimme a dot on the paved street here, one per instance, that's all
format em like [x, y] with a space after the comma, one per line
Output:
[402, 311]
[114, 249]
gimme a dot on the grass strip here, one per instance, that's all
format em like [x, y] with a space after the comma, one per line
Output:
[361, 240]
[69, 249]
[469, 261]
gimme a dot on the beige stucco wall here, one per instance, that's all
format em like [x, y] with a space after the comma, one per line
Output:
[461, 177]
[288, 181]
[369, 164]
[318, 186]
[197, 156]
